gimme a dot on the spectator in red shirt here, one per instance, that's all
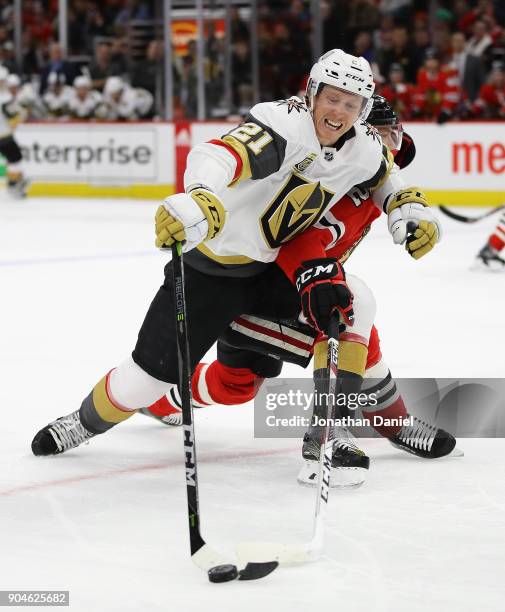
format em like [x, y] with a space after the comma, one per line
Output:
[491, 101]
[437, 92]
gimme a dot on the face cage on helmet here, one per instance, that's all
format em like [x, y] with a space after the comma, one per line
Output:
[314, 89]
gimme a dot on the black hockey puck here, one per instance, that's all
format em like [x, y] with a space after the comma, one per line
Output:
[223, 573]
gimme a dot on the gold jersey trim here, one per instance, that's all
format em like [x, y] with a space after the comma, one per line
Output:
[225, 259]
[241, 151]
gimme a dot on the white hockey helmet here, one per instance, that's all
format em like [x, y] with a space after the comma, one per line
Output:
[13, 80]
[113, 84]
[344, 71]
[82, 81]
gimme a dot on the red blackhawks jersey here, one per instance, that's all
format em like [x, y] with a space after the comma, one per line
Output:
[336, 234]
[491, 101]
[437, 91]
[401, 97]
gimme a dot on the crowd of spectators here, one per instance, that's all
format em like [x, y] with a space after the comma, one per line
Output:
[433, 59]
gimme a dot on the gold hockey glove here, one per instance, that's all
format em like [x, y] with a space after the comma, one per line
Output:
[190, 218]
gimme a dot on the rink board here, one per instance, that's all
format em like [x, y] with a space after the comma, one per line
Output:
[134, 160]
[460, 164]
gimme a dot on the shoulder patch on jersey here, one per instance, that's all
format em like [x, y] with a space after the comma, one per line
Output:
[260, 148]
[305, 163]
[292, 104]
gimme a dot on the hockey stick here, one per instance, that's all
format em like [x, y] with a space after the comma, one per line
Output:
[325, 382]
[218, 567]
[465, 219]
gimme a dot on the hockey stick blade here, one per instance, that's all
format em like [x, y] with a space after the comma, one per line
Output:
[284, 554]
[464, 219]
[207, 558]
[254, 571]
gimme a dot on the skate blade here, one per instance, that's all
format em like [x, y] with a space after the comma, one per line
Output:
[456, 452]
[340, 478]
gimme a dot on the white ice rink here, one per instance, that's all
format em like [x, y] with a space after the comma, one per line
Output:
[107, 521]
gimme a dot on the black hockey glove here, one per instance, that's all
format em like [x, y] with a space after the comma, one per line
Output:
[323, 290]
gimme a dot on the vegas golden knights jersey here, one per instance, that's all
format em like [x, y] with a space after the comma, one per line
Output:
[283, 183]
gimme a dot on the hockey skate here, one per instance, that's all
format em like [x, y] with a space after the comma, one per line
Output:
[61, 435]
[349, 463]
[168, 409]
[18, 189]
[488, 259]
[172, 420]
[425, 440]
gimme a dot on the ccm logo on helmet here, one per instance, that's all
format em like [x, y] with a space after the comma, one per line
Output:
[356, 78]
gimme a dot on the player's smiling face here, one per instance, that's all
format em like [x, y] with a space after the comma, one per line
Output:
[334, 113]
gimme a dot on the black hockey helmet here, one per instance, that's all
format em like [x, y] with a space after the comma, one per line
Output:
[382, 112]
[383, 115]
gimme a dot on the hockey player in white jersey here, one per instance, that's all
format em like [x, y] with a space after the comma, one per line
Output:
[9, 148]
[85, 102]
[253, 349]
[125, 103]
[25, 100]
[57, 96]
[256, 188]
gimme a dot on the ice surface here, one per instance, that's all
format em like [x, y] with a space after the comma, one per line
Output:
[107, 521]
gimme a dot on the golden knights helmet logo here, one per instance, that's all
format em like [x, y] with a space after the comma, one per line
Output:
[297, 205]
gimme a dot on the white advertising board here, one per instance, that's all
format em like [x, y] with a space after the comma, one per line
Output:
[106, 154]
[457, 163]
[458, 156]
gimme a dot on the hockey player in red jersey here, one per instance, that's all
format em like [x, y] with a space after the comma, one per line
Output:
[490, 258]
[243, 352]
